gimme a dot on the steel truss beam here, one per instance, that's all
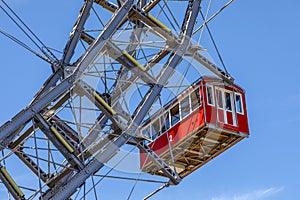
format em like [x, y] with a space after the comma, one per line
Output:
[105, 108]
[160, 163]
[30, 129]
[124, 58]
[137, 13]
[59, 142]
[50, 92]
[11, 185]
[110, 150]
[166, 170]
[7, 131]
[174, 178]
[141, 14]
[56, 181]
[69, 134]
[32, 165]
[129, 62]
[120, 85]
[93, 166]
[76, 32]
[69, 49]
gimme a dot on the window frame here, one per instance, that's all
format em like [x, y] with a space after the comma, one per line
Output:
[150, 131]
[230, 98]
[212, 95]
[170, 114]
[220, 92]
[167, 123]
[163, 121]
[241, 103]
[189, 106]
[190, 94]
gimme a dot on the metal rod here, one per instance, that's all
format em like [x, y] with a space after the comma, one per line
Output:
[156, 191]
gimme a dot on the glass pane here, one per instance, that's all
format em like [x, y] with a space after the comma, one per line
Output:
[175, 114]
[156, 128]
[219, 99]
[238, 100]
[185, 106]
[228, 101]
[146, 132]
[165, 122]
[210, 97]
[195, 99]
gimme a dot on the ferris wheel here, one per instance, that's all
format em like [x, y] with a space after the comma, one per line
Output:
[134, 102]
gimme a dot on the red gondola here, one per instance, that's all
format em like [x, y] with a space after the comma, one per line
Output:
[202, 122]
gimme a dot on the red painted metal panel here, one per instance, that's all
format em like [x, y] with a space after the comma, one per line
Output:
[229, 117]
[205, 114]
[243, 119]
[210, 110]
[176, 134]
[221, 119]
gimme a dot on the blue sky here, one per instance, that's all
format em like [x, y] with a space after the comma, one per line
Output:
[259, 42]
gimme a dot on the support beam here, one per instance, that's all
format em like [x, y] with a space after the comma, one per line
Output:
[93, 166]
[68, 51]
[110, 150]
[56, 181]
[7, 130]
[69, 133]
[61, 139]
[10, 184]
[142, 15]
[32, 165]
[151, 4]
[159, 24]
[103, 103]
[211, 66]
[147, 102]
[90, 139]
[166, 170]
[134, 61]
[59, 142]
[136, 13]
[29, 130]
[94, 97]
[124, 85]
[76, 32]
[123, 57]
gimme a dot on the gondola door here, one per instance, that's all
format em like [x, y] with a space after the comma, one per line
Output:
[229, 107]
[225, 107]
[221, 114]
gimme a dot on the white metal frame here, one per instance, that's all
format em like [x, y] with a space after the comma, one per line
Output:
[225, 110]
[212, 95]
[241, 100]
[168, 110]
